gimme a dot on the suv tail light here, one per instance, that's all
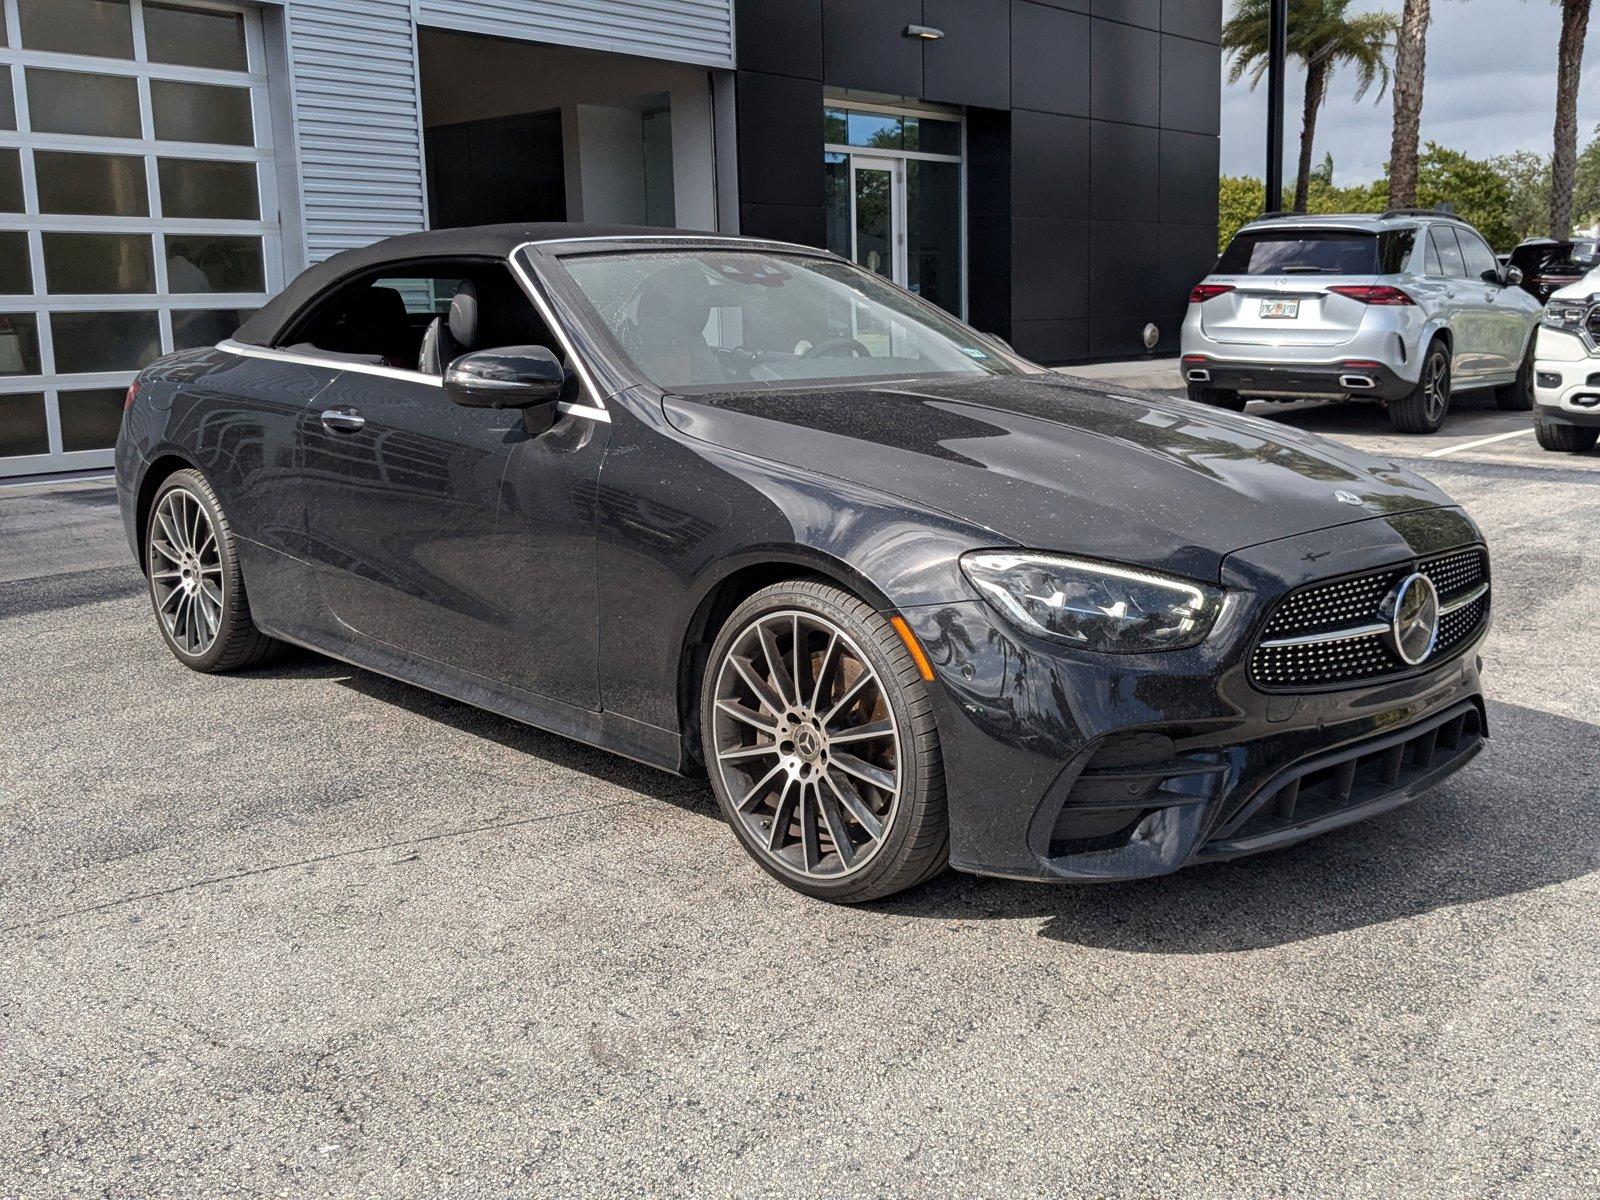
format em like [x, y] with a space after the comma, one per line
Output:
[1208, 291]
[1381, 294]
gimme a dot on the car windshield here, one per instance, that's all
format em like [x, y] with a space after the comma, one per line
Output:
[1310, 252]
[713, 319]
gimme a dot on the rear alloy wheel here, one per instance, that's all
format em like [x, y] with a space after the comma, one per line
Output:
[1518, 395]
[1574, 439]
[1422, 410]
[1216, 397]
[195, 586]
[820, 743]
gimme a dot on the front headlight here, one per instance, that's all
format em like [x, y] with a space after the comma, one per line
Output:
[1095, 605]
[1565, 315]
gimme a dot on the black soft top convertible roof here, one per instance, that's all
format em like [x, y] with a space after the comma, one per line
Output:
[477, 241]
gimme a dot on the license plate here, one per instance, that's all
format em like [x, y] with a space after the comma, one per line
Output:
[1282, 309]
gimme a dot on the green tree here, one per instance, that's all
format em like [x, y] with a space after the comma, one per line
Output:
[1239, 199]
[1323, 172]
[1527, 176]
[1586, 183]
[1324, 36]
[1478, 192]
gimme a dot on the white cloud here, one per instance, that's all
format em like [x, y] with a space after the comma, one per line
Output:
[1490, 89]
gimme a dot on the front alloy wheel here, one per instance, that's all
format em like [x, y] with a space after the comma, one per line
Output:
[820, 743]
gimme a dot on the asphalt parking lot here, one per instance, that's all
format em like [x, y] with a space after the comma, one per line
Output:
[308, 932]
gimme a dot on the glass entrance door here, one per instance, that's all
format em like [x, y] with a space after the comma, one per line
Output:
[878, 204]
[894, 186]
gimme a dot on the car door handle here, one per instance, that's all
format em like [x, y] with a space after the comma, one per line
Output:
[342, 420]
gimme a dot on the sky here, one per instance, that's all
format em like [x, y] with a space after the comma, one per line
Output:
[1490, 89]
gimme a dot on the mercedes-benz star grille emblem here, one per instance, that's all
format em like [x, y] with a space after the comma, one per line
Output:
[1412, 611]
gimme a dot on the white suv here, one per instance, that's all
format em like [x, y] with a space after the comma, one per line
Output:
[1567, 366]
[1406, 308]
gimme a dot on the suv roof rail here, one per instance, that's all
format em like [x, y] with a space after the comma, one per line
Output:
[1446, 214]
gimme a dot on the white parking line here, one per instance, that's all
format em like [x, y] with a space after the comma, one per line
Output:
[1499, 437]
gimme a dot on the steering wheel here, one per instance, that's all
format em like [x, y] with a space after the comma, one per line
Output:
[851, 348]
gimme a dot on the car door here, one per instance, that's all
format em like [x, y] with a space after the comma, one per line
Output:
[1467, 312]
[1505, 320]
[414, 547]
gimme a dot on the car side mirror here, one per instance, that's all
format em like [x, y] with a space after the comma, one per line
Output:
[510, 377]
[1513, 277]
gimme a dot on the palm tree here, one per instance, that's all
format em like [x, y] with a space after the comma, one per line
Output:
[1409, 63]
[1564, 162]
[1323, 36]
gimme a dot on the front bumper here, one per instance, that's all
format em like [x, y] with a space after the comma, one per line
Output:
[1285, 379]
[1566, 379]
[1069, 766]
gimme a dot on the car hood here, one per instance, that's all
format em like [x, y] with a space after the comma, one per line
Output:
[1056, 463]
[1581, 289]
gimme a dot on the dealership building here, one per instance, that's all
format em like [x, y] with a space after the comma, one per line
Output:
[1045, 168]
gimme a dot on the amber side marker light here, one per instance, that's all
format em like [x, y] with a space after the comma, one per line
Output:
[913, 646]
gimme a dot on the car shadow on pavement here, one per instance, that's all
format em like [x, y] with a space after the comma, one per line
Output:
[551, 748]
[1338, 418]
[1524, 815]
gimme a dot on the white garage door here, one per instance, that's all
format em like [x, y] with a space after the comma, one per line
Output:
[138, 207]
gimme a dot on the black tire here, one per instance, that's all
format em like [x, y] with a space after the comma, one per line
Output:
[1216, 397]
[1573, 439]
[236, 643]
[1518, 396]
[914, 844]
[1423, 409]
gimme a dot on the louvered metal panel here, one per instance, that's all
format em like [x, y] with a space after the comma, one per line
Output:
[691, 31]
[358, 131]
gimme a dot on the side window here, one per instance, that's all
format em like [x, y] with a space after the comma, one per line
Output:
[1480, 259]
[1430, 258]
[423, 321]
[1449, 251]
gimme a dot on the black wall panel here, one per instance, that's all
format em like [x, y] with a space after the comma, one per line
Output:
[1048, 279]
[1189, 164]
[1191, 85]
[1049, 165]
[971, 64]
[1122, 266]
[864, 45]
[1200, 19]
[1051, 341]
[1049, 59]
[780, 37]
[780, 139]
[801, 223]
[1124, 172]
[1124, 73]
[1131, 12]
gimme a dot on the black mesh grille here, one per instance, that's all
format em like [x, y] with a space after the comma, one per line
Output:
[1323, 610]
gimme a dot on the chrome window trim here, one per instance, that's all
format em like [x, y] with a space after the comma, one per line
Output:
[592, 412]
[536, 294]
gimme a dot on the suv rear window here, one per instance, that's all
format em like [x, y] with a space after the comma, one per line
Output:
[1316, 252]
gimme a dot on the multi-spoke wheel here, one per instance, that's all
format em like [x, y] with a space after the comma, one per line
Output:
[820, 742]
[1422, 410]
[195, 585]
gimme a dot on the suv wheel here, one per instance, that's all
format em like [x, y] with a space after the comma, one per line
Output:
[1572, 438]
[1216, 397]
[821, 746]
[1422, 410]
[1518, 396]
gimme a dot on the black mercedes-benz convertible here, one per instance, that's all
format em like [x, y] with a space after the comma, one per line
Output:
[723, 504]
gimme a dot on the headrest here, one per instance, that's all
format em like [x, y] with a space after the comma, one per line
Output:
[674, 303]
[493, 311]
[375, 322]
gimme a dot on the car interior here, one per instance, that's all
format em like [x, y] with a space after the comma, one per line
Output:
[424, 322]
